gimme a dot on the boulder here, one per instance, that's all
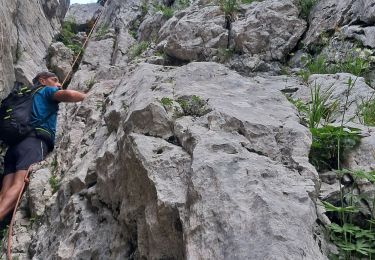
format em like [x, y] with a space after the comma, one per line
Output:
[269, 28]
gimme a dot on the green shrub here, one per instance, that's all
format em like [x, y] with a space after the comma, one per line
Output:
[138, 49]
[306, 6]
[166, 102]
[193, 106]
[331, 144]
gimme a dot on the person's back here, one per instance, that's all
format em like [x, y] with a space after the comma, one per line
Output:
[38, 143]
[44, 114]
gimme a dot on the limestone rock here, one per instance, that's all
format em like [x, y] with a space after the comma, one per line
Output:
[330, 15]
[194, 34]
[83, 14]
[270, 28]
[26, 30]
[61, 59]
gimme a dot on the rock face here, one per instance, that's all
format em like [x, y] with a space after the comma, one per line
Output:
[82, 14]
[195, 34]
[190, 160]
[270, 29]
[356, 17]
[26, 30]
[163, 198]
[61, 59]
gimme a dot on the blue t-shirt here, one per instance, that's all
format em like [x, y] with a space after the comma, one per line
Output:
[43, 106]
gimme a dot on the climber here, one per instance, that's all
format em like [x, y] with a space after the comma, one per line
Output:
[37, 144]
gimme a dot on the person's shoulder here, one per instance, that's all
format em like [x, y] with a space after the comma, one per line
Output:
[48, 91]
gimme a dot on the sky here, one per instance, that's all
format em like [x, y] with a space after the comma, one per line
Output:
[82, 1]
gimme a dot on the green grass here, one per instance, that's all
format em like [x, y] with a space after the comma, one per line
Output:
[366, 112]
[229, 7]
[353, 64]
[167, 11]
[306, 6]
[138, 49]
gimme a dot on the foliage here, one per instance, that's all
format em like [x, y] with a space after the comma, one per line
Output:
[182, 4]
[101, 31]
[306, 6]
[366, 112]
[193, 106]
[358, 63]
[67, 33]
[319, 108]
[166, 102]
[138, 49]
[248, 1]
[229, 7]
[353, 240]
[54, 183]
[317, 65]
[331, 144]
[224, 54]
[167, 11]
[90, 82]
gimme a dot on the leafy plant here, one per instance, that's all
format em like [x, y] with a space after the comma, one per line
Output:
[54, 183]
[67, 34]
[166, 102]
[331, 144]
[138, 49]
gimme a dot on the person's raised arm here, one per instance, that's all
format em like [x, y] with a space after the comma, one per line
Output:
[69, 96]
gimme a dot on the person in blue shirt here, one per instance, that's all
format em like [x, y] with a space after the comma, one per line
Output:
[39, 143]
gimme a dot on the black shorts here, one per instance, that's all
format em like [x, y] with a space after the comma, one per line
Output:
[21, 156]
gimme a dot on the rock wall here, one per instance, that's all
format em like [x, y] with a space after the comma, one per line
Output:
[180, 152]
[27, 29]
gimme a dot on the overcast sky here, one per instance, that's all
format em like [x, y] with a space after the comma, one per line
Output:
[82, 1]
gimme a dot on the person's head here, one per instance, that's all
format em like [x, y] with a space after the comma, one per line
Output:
[46, 78]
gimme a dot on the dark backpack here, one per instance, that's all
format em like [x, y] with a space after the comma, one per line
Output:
[15, 113]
